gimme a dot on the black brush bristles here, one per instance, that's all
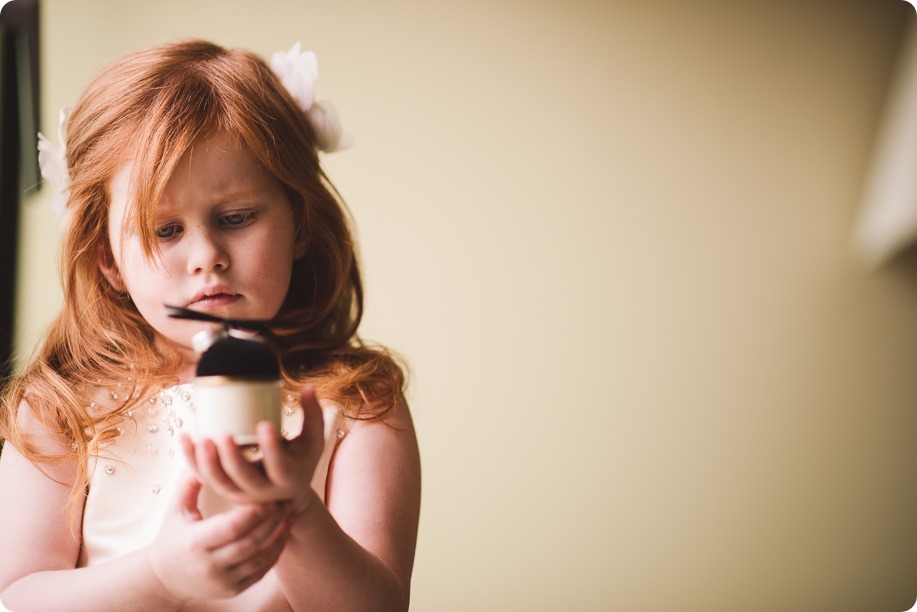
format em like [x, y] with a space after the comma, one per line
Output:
[239, 358]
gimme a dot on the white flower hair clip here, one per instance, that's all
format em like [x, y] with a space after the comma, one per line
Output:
[52, 161]
[298, 71]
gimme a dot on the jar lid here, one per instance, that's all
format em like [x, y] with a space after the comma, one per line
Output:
[203, 340]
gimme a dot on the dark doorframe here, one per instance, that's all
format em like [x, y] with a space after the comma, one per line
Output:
[19, 112]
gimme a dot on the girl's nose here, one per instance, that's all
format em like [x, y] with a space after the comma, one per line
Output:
[206, 254]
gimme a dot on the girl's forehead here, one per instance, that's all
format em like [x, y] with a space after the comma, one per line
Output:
[120, 186]
[218, 166]
[218, 158]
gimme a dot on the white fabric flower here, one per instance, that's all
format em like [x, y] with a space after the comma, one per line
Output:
[297, 71]
[325, 121]
[52, 161]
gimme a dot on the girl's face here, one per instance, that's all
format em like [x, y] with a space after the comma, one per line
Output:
[227, 242]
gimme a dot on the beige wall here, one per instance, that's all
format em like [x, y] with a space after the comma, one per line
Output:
[613, 240]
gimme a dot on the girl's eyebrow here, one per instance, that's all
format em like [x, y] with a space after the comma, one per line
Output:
[234, 187]
[229, 193]
[235, 194]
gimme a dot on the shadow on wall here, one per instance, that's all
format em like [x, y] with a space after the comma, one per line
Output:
[904, 265]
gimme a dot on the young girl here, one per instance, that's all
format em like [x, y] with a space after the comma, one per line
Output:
[193, 179]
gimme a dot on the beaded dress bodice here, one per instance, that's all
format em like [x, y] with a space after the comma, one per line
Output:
[133, 477]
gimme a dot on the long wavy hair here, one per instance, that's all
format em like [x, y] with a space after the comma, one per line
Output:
[151, 107]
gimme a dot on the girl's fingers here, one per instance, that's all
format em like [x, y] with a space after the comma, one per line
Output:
[186, 496]
[211, 469]
[313, 425]
[259, 538]
[188, 450]
[234, 525]
[256, 565]
[276, 466]
[284, 465]
[246, 475]
[305, 448]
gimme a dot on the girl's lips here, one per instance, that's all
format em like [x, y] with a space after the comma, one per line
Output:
[220, 299]
[216, 295]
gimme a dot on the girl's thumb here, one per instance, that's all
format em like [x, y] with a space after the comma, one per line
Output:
[313, 426]
[187, 494]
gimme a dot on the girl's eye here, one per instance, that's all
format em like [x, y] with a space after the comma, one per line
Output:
[167, 231]
[238, 219]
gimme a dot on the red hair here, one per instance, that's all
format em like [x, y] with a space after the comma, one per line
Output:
[151, 106]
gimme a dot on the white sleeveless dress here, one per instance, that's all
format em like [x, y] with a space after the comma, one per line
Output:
[133, 478]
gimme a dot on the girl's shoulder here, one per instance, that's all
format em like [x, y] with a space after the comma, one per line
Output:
[42, 443]
[373, 488]
[35, 430]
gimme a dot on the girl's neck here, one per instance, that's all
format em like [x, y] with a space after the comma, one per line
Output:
[186, 372]
[187, 367]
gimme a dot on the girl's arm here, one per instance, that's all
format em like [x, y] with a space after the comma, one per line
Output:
[39, 540]
[40, 535]
[358, 552]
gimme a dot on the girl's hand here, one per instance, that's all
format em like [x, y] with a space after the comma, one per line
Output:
[284, 472]
[220, 556]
